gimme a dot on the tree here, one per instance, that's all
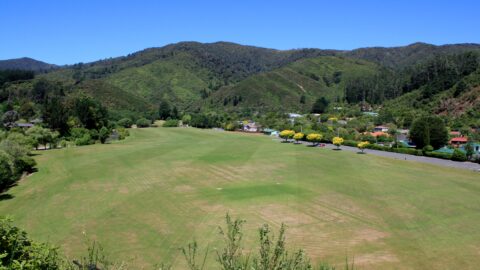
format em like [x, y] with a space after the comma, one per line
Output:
[320, 105]
[186, 118]
[287, 134]
[298, 136]
[458, 155]
[6, 174]
[164, 110]
[302, 99]
[10, 118]
[90, 112]
[174, 113]
[337, 141]
[103, 134]
[429, 130]
[469, 150]
[362, 146]
[55, 114]
[314, 138]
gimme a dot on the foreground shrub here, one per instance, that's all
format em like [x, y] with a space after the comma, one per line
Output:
[17, 251]
[272, 252]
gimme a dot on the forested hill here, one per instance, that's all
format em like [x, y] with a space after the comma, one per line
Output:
[205, 77]
[402, 57]
[26, 63]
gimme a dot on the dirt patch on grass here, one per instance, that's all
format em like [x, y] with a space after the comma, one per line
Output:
[279, 214]
[183, 189]
[374, 258]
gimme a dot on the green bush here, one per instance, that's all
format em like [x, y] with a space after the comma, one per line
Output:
[122, 133]
[125, 122]
[171, 123]
[103, 134]
[17, 251]
[143, 122]
[459, 155]
[350, 143]
[23, 164]
[85, 140]
[438, 155]
[427, 148]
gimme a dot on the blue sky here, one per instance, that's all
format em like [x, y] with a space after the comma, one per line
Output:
[67, 32]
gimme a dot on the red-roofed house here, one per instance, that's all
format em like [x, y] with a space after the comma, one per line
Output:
[458, 141]
[379, 133]
[455, 134]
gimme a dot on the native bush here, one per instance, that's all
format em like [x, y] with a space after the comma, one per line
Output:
[125, 122]
[143, 122]
[298, 136]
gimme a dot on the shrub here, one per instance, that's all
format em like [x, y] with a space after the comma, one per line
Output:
[143, 122]
[362, 145]
[350, 143]
[23, 164]
[458, 155]
[85, 140]
[122, 133]
[337, 141]
[125, 122]
[427, 148]
[314, 138]
[287, 134]
[438, 155]
[171, 123]
[298, 136]
[103, 134]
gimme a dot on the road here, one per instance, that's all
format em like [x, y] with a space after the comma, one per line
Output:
[436, 161]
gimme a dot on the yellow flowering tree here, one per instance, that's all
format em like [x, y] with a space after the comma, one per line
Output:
[337, 141]
[287, 134]
[314, 138]
[362, 145]
[298, 136]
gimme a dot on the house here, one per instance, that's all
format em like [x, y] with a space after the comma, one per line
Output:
[402, 135]
[455, 134]
[374, 114]
[379, 133]
[342, 122]
[458, 141]
[251, 127]
[380, 129]
[24, 125]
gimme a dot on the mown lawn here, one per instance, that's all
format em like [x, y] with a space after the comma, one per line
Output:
[161, 188]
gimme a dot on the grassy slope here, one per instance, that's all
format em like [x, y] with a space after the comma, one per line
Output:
[283, 87]
[148, 195]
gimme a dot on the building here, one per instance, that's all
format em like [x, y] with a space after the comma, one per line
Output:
[380, 129]
[251, 127]
[458, 141]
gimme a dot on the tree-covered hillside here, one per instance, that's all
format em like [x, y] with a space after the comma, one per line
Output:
[198, 77]
[294, 87]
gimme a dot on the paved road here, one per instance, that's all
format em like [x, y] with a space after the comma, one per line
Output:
[437, 161]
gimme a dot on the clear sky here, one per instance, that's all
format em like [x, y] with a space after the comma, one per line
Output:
[67, 32]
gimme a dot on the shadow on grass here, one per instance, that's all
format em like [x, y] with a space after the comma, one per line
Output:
[285, 141]
[337, 149]
[361, 153]
[4, 197]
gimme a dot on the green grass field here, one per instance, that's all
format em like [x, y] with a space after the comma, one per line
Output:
[144, 197]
